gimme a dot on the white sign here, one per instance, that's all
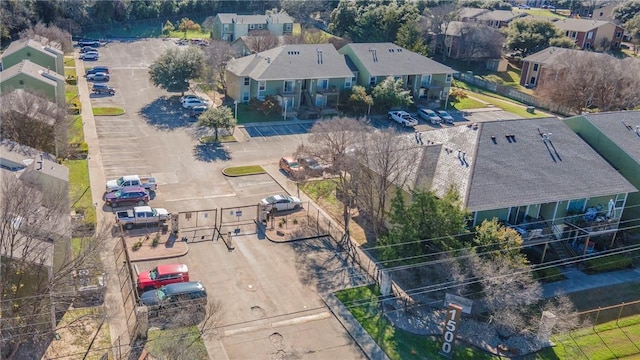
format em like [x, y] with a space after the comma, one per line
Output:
[464, 303]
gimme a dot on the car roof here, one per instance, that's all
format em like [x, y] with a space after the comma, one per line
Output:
[184, 287]
[172, 268]
[289, 159]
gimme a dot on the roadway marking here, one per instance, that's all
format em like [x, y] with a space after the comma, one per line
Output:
[294, 321]
[204, 197]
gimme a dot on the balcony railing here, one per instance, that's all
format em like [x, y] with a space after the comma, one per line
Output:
[331, 90]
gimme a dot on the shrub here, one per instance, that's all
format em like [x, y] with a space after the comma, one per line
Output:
[72, 80]
[608, 263]
[137, 245]
[156, 240]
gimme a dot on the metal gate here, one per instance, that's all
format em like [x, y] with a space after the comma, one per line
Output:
[200, 225]
[241, 220]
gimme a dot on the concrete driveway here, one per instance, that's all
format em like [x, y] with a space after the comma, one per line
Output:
[271, 296]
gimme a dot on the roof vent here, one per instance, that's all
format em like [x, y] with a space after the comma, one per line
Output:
[627, 126]
[493, 138]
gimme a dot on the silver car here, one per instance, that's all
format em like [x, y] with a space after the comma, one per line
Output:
[445, 116]
[429, 115]
[98, 77]
[281, 203]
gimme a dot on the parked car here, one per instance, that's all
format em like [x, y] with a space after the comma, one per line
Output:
[145, 181]
[133, 194]
[191, 102]
[429, 115]
[163, 275]
[445, 116]
[191, 97]
[92, 43]
[311, 166]
[86, 49]
[90, 56]
[103, 89]
[98, 77]
[524, 7]
[98, 69]
[141, 215]
[403, 118]
[281, 203]
[289, 165]
[184, 293]
[198, 109]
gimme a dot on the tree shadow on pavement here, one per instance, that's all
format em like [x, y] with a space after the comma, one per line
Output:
[320, 263]
[167, 114]
[211, 152]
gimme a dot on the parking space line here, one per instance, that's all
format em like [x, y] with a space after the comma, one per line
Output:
[294, 321]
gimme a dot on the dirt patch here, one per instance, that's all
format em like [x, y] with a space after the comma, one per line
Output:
[291, 226]
[75, 332]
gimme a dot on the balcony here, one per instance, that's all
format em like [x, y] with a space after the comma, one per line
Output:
[594, 221]
[287, 91]
[331, 90]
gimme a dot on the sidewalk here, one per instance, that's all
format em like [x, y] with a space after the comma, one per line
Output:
[113, 301]
[579, 281]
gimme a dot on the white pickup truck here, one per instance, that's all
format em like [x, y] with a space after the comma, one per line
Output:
[146, 182]
[141, 215]
[403, 118]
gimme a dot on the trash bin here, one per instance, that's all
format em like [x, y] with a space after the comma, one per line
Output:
[531, 109]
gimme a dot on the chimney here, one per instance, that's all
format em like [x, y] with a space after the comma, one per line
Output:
[40, 163]
[319, 52]
[268, 59]
[638, 129]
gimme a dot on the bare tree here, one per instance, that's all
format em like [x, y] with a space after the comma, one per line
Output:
[438, 19]
[579, 80]
[180, 343]
[480, 41]
[262, 40]
[29, 118]
[217, 54]
[50, 35]
[38, 270]
[386, 160]
[335, 142]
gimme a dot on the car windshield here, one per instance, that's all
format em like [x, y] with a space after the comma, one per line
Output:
[312, 162]
[153, 274]
[271, 199]
[161, 294]
[120, 181]
[294, 164]
[444, 113]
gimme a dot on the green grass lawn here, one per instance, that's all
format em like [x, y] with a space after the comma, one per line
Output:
[188, 340]
[246, 116]
[542, 13]
[243, 170]
[71, 92]
[69, 61]
[321, 189]
[467, 103]
[75, 132]
[107, 111]
[498, 101]
[190, 34]
[79, 189]
[396, 343]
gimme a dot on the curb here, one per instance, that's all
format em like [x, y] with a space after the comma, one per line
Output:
[149, 258]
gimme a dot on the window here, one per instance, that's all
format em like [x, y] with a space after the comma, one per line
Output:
[260, 26]
[319, 100]
[247, 81]
[587, 46]
[347, 83]
[574, 34]
[323, 84]
[448, 79]
[225, 27]
[620, 199]
[245, 96]
[533, 80]
[590, 35]
[262, 85]
[289, 86]
[426, 80]
[618, 34]
[566, 33]
[576, 206]
[535, 67]
[288, 27]
[372, 81]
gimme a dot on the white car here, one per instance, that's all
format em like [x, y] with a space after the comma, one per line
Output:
[445, 116]
[281, 203]
[189, 103]
[429, 115]
[92, 55]
[191, 97]
[403, 118]
[98, 77]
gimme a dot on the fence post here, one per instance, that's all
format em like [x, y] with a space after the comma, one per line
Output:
[620, 313]
[596, 321]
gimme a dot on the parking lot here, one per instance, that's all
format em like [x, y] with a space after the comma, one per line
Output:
[270, 292]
